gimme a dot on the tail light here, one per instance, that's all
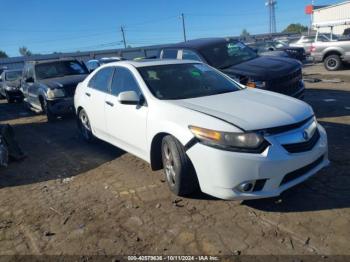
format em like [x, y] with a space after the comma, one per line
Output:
[312, 48]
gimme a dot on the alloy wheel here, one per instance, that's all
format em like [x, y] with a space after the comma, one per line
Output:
[169, 164]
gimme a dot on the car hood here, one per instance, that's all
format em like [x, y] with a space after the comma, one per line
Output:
[250, 109]
[59, 82]
[14, 84]
[264, 68]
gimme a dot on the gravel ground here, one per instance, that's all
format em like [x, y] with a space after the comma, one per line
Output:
[69, 197]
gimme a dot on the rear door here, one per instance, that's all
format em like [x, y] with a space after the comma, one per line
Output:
[31, 87]
[126, 124]
[94, 99]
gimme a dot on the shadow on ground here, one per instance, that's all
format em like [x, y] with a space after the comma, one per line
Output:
[54, 151]
[13, 111]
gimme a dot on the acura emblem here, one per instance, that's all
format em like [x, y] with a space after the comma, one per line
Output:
[305, 135]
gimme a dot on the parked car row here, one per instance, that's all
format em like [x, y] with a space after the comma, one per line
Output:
[48, 86]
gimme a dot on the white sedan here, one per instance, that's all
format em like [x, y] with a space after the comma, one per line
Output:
[205, 130]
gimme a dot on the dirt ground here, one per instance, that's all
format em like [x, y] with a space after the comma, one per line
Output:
[69, 197]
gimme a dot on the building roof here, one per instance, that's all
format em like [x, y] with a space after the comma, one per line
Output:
[321, 7]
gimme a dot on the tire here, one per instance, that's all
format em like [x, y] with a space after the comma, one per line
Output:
[84, 126]
[333, 63]
[179, 171]
[9, 99]
[51, 117]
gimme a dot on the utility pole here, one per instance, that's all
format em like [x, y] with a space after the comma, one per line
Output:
[183, 26]
[122, 29]
[272, 15]
[311, 17]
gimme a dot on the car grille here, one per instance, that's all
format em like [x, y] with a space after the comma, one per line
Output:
[288, 84]
[301, 171]
[70, 90]
[303, 146]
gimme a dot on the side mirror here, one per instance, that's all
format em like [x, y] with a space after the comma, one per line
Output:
[129, 98]
[29, 80]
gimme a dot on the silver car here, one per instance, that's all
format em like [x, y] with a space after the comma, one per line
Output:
[10, 85]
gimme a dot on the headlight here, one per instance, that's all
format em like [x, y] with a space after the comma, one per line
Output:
[10, 88]
[55, 93]
[247, 142]
[256, 84]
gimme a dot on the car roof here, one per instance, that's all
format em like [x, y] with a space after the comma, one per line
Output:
[12, 70]
[52, 60]
[152, 62]
[201, 42]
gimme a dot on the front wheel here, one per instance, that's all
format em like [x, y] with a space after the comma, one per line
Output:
[179, 171]
[51, 117]
[333, 63]
[9, 99]
[84, 126]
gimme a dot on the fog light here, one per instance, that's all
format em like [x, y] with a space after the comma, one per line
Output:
[246, 186]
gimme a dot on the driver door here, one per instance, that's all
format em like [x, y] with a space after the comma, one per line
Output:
[126, 123]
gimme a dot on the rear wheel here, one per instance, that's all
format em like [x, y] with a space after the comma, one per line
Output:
[332, 62]
[84, 126]
[178, 169]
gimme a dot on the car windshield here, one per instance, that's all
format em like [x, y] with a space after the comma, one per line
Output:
[226, 54]
[13, 75]
[278, 44]
[183, 81]
[59, 69]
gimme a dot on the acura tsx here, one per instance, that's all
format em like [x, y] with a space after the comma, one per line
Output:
[205, 130]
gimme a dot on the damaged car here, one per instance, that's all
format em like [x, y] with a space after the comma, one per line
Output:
[10, 85]
[48, 86]
[204, 129]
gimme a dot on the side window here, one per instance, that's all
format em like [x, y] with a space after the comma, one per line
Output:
[100, 81]
[189, 54]
[123, 80]
[30, 72]
[169, 54]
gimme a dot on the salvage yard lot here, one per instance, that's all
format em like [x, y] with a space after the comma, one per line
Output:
[69, 197]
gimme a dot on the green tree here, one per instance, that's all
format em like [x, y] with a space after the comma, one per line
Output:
[24, 51]
[3, 54]
[245, 34]
[295, 28]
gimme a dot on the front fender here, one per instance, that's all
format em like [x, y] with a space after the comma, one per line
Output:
[332, 50]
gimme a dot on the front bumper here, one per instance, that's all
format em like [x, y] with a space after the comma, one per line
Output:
[317, 57]
[220, 172]
[300, 92]
[15, 93]
[61, 106]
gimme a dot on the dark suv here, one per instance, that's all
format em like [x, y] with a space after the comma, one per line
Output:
[240, 62]
[49, 86]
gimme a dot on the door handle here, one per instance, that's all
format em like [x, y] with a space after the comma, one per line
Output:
[109, 103]
[88, 94]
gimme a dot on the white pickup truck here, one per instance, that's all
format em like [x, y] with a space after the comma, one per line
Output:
[333, 53]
